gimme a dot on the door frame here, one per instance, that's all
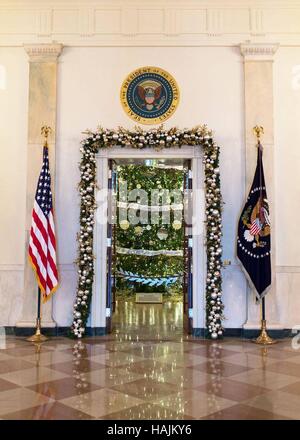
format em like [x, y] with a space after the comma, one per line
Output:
[99, 312]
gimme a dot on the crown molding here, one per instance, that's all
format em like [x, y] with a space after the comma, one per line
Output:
[43, 53]
[154, 23]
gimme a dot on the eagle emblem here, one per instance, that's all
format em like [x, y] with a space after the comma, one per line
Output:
[150, 94]
[257, 223]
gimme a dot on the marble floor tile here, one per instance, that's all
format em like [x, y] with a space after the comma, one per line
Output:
[232, 390]
[150, 367]
[215, 351]
[48, 411]
[49, 357]
[116, 359]
[251, 360]
[219, 367]
[293, 359]
[186, 359]
[265, 378]
[280, 354]
[31, 376]
[23, 351]
[6, 385]
[18, 399]
[186, 378]
[147, 411]
[4, 357]
[284, 367]
[244, 412]
[63, 388]
[294, 388]
[77, 365]
[101, 402]
[109, 377]
[154, 351]
[194, 403]
[278, 402]
[13, 364]
[147, 389]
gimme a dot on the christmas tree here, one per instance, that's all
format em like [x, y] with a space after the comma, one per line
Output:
[150, 229]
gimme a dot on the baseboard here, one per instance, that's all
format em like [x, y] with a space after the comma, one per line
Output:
[243, 333]
[101, 331]
[199, 332]
[276, 334]
[52, 331]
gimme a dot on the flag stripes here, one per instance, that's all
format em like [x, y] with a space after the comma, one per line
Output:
[42, 242]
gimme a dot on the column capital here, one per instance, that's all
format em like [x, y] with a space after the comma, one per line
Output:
[43, 53]
[258, 51]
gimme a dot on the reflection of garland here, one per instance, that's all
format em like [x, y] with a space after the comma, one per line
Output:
[157, 139]
[150, 281]
[79, 372]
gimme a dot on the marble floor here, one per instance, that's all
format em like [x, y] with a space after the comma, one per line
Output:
[148, 372]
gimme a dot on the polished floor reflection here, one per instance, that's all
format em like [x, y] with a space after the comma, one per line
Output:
[143, 374]
[153, 320]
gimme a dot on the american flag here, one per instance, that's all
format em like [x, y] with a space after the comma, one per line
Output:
[42, 244]
[255, 227]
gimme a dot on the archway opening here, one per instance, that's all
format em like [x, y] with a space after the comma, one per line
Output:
[149, 262]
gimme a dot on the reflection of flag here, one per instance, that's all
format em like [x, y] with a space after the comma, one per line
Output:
[42, 245]
[253, 241]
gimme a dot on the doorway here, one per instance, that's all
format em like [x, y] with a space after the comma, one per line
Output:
[101, 318]
[149, 252]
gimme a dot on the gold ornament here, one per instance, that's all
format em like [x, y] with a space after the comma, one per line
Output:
[176, 224]
[124, 224]
[138, 230]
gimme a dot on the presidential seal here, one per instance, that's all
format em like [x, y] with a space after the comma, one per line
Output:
[149, 95]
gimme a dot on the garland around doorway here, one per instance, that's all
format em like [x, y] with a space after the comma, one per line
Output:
[157, 139]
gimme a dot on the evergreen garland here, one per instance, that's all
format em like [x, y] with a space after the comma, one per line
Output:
[156, 138]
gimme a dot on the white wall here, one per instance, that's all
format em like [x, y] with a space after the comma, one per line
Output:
[211, 85]
[287, 161]
[13, 143]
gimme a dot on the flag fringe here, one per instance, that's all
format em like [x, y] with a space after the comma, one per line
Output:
[258, 296]
[45, 297]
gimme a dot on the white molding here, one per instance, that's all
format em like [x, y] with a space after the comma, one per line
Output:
[43, 52]
[287, 269]
[148, 23]
[11, 267]
[257, 22]
[258, 51]
[44, 22]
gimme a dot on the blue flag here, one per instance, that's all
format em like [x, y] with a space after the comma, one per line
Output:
[254, 240]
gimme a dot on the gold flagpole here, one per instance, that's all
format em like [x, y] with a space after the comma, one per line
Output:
[38, 336]
[263, 338]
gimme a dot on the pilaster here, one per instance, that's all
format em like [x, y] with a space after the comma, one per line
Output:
[259, 110]
[41, 111]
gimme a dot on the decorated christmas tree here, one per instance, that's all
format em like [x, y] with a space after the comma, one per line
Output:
[150, 229]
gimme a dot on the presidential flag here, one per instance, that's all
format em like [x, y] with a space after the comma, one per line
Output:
[254, 240]
[42, 244]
